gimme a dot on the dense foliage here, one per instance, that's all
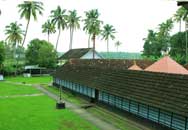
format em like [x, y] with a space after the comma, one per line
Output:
[42, 53]
[2, 53]
[178, 47]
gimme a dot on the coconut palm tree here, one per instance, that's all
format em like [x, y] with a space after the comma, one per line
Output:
[178, 16]
[28, 9]
[14, 36]
[73, 24]
[14, 33]
[93, 26]
[90, 15]
[108, 33]
[49, 28]
[59, 19]
[117, 44]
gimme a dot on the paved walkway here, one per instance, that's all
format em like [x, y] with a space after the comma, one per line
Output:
[24, 95]
[82, 113]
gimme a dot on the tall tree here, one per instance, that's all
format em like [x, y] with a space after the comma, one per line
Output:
[90, 16]
[59, 19]
[117, 44]
[152, 48]
[163, 36]
[14, 33]
[42, 53]
[28, 9]
[108, 33]
[93, 25]
[14, 36]
[73, 24]
[2, 54]
[49, 28]
[178, 49]
[179, 16]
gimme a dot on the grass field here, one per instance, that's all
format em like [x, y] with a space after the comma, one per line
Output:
[31, 80]
[7, 89]
[34, 112]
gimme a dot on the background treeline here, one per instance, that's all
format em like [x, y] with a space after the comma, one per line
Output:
[13, 55]
[160, 41]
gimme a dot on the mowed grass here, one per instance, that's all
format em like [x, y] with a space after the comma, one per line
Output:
[38, 113]
[35, 112]
[8, 89]
[30, 80]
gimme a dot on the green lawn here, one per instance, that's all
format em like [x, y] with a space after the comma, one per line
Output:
[31, 80]
[7, 89]
[36, 112]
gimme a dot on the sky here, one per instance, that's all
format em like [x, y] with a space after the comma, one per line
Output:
[130, 18]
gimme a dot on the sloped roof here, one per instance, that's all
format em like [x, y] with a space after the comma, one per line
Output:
[167, 65]
[112, 63]
[75, 53]
[186, 66]
[134, 67]
[165, 91]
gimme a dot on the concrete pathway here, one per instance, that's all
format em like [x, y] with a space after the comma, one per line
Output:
[24, 95]
[82, 113]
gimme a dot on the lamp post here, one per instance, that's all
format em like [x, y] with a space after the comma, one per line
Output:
[60, 104]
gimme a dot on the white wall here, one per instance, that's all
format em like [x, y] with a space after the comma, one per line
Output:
[89, 55]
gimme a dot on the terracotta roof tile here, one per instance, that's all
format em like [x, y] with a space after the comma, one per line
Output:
[167, 65]
[134, 67]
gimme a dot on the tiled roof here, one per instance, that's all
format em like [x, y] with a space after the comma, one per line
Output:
[186, 66]
[134, 67]
[167, 65]
[166, 91]
[75, 53]
[112, 63]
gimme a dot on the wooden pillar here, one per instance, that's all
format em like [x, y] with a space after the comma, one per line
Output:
[96, 95]
[147, 111]
[186, 123]
[121, 103]
[171, 119]
[138, 108]
[159, 114]
[129, 105]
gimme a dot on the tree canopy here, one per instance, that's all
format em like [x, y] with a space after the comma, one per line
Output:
[2, 53]
[178, 47]
[42, 53]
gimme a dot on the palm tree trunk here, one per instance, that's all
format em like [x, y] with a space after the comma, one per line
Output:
[16, 65]
[26, 31]
[71, 38]
[186, 42]
[58, 39]
[89, 40]
[48, 37]
[108, 45]
[93, 46]
[117, 48]
[180, 26]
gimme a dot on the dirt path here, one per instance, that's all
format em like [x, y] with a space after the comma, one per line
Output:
[84, 114]
[23, 95]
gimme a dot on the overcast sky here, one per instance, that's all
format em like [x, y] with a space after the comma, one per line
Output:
[131, 19]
